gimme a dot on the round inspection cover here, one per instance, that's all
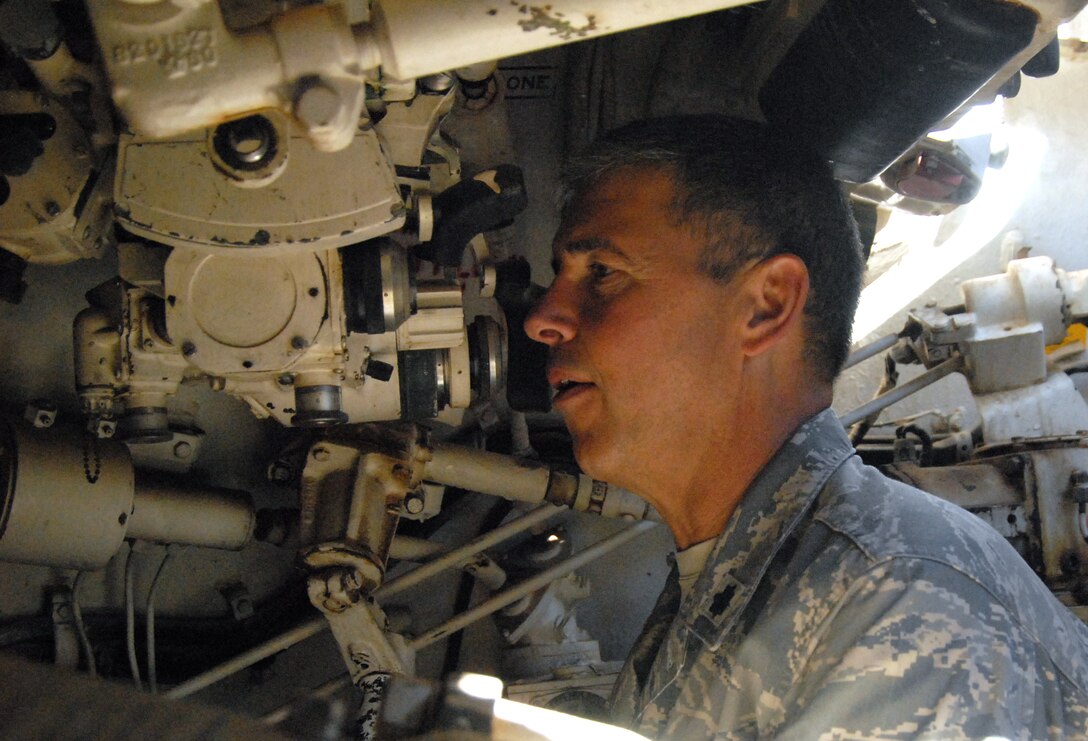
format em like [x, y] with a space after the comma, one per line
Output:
[243, 313]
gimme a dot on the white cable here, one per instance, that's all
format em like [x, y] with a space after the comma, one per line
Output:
[152, 677]
[130, 620]
[81, 630]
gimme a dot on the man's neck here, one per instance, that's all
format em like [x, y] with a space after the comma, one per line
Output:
[698, 506]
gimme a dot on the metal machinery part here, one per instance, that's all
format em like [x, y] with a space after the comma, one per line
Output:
[353, 493]
[291, 224]
[70, 499]
[316, 61]
[1025, 471]
[279, 333]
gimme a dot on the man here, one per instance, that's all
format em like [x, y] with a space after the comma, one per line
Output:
[706, 278]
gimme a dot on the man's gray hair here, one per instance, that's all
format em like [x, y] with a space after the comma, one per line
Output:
[751, 195]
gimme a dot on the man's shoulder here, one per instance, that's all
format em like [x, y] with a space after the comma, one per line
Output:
[891, 522]
[887, 519]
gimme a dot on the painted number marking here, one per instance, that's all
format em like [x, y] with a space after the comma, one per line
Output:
[178, 53]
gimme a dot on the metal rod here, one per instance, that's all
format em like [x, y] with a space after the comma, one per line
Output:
[318, 624]
[867, 351]
[496, 603]
[283, 641]
[459, 555]
[899, 393]
[530, 585]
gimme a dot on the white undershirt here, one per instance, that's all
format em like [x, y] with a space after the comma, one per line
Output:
[690, 563]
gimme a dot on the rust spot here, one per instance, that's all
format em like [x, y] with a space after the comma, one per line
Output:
[542, 17]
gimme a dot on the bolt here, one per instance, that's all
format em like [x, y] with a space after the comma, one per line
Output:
[279, 471]
[183, 450]
[149, 343]
[285, 380]
[414, 503]
[299, 343]
[321, 454]
[52, 208]
[188, 349]
[318, 105]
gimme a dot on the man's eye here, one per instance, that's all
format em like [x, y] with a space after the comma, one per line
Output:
[599, 272]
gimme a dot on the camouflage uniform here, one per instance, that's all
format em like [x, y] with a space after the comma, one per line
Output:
[839, 604]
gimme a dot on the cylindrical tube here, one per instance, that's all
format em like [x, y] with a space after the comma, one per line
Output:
[489, 473]
[421, 37]
[66, 501]
[899, 393]
[867, 351]
[165, 512]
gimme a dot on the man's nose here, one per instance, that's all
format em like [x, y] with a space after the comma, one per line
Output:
[553, 319]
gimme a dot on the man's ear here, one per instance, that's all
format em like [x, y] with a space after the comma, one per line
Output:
[777, 289]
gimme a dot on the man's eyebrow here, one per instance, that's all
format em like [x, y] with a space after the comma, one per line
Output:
[582, 246]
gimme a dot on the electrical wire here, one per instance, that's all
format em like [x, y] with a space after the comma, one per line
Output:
[81, 629]
[130, 619]
[152, 678]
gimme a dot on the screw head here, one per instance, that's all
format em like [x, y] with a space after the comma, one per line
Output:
[414, 503]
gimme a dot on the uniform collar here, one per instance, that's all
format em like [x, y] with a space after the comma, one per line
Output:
[769, 511]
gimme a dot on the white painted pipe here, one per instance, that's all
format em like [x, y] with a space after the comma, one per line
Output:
[489, 473]
[422, 37]
[530, 481]
[167, 512]
[69, 500]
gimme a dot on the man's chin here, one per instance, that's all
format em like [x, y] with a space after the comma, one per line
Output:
[597, 459]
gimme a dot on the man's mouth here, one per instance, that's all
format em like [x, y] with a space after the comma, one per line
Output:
[566, 387]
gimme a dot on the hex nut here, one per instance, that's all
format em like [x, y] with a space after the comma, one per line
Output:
[41, 413]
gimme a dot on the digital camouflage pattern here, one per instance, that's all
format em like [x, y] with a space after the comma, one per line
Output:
[839, 604]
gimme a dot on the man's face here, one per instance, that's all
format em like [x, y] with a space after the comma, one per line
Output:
[643, 347]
